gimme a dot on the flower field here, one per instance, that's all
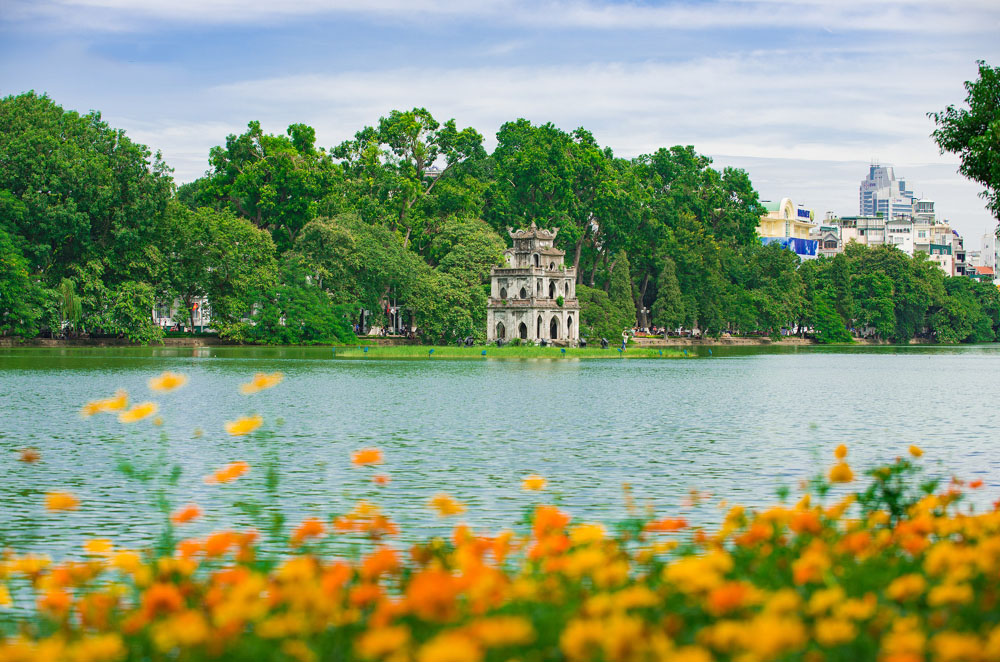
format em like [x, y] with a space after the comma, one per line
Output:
[891, 566]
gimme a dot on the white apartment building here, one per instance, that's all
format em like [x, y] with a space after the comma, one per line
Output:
[881, 193]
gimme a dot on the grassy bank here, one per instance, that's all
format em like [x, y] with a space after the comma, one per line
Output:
[494, 352]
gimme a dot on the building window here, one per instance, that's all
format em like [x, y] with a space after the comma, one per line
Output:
[503, 292]
[524, 295]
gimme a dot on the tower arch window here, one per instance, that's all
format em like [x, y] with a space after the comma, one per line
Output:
[524, 294]
[554, 328]
[503, 292]
[501, 331]
[539, 334]
[552, 289]
[569, 327]
[536, 259]
[522, 331]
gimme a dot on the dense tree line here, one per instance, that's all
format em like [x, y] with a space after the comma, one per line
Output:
[289, 240]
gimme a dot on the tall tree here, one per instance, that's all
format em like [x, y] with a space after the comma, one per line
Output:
[73, 189]
[973, 133]
[389, 167]
[279, 183]
[545, 175]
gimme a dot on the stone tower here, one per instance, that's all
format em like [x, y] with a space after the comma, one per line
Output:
[525, 294]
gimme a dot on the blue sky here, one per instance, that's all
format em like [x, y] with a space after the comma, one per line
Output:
[802, 94]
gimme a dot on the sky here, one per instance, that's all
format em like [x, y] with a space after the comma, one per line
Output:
[802, 94]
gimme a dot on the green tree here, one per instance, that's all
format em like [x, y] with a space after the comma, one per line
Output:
[389, 166]
[73, 190]
[545, 175]
[297, 311]
[599, 317]
[278, 183]
[20, 297]
[973, 133]
[620, 292]
[827, 323]
[668, 308]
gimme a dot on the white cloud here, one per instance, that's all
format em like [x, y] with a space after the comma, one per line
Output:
[972, 16]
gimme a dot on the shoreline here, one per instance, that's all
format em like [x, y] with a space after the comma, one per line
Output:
[638, 343]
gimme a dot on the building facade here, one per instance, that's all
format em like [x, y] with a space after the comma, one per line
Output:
[789, 226]
[881, 193]
[533, 297]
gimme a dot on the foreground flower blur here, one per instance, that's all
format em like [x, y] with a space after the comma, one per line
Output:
[244, 426]
[138, 412]
[167, 381]
[107, 405]
[260, 382]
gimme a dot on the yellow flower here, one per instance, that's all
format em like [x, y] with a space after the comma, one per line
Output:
[244, 426]
[260, 382]
[446, 505]
[840, 452]
[98, 648]
[382, 641]
[916, 451]
[841, 473]
[957, 647]
[98, 546]
[5, 599]
[450, 647]
[107, 405]
[906, 587]
[61, 501]
[498, 631]
[533, 483]
[959, 594]
[138, 412]
[167, 381]
[298, 650]
[834, 631]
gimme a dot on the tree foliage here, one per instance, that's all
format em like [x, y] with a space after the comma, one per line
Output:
[973, 133]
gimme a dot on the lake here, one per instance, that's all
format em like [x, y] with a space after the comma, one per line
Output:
[738, 424]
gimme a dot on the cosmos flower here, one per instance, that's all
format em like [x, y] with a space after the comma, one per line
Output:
[168, 381]
[261, 381]
[244, 426]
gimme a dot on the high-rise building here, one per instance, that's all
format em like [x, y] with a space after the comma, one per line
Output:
[881, 194]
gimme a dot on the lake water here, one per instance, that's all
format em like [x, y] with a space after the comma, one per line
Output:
[739, 424]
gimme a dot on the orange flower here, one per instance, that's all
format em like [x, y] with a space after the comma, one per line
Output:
[915, 451]
[61, 501]
[549, 519]
[138, 412]
[244, 426]
[161, 598]
[261, 381]
[367, 456]
[311, 528]
[28, 455]
[841, 473]
[167, 381]
[727, 597]
[666, 525]
[219, 543]
[381, 479]
[185, 514]
[228, 473]
[117, 403]
[533, 483]
[976, 484]
[446, 505]
[56, 601]
[840, 452]
[381, 561]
